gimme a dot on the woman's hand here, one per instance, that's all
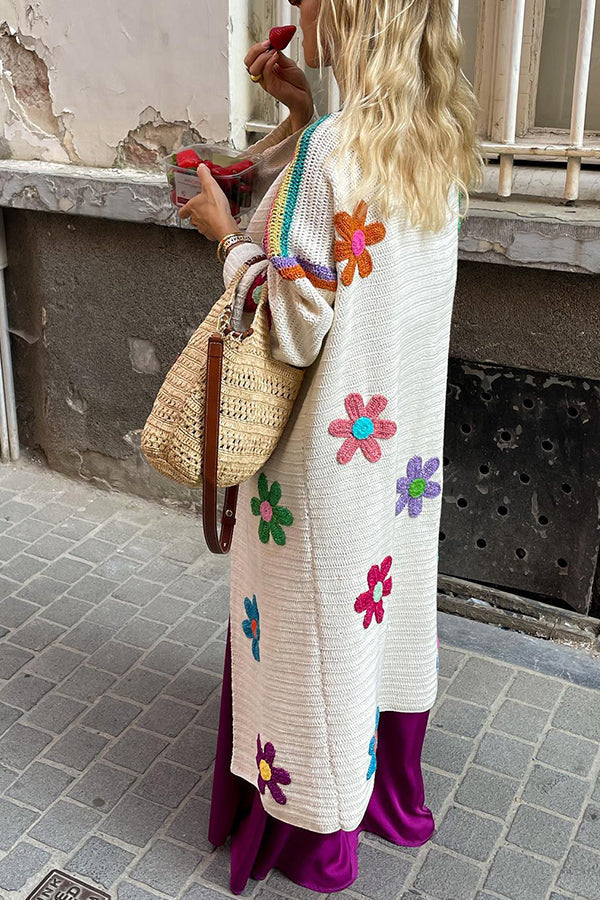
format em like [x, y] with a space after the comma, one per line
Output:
[283, 80]
[209, 211]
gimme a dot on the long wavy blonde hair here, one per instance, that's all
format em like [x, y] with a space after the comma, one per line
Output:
[408, 112]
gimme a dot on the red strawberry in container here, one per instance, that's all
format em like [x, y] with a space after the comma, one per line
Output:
[188, 159]
[281, 35]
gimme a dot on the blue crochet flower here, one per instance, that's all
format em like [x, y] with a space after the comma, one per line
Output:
[373, 748]
[251, 625]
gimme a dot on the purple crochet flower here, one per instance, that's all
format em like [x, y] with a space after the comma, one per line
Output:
[270, 776]
[417, 485]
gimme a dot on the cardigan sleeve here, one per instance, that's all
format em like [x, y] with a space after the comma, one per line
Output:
[298, 253]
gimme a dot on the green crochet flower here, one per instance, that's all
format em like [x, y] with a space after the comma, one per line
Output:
[272, 516]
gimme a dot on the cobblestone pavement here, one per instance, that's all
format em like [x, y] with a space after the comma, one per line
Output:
[112, 629]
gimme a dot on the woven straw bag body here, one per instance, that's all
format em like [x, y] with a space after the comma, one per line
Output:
[257, 396]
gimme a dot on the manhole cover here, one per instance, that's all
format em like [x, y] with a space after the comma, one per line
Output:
[60, 886]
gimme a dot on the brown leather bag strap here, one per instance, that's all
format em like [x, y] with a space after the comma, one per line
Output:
[216, 543]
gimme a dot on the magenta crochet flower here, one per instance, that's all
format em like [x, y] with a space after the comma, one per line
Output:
[417, 485]
[371, 602]
[270, 776]
[363, 428]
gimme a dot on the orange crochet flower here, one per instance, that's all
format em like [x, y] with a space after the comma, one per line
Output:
[356, 238]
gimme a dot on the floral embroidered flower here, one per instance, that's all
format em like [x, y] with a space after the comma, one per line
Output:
[363, 428]
[356, 237]
[373, 748]
[270, 776]
[272, 516]
[251, 625]
[371, 602]
[417, 485]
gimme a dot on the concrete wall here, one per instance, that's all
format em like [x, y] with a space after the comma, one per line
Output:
[99, 310]
[111, 83]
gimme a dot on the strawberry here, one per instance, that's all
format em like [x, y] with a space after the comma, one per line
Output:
[281, 35]
[188, 159]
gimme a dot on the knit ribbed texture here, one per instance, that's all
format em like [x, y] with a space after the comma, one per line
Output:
[319, 538]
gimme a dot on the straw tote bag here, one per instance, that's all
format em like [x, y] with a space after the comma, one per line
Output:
[221, 410]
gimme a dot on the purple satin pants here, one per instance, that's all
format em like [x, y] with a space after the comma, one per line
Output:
[321, 862]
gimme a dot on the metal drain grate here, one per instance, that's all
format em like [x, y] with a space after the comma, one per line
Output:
[59, 885]
[522, 481]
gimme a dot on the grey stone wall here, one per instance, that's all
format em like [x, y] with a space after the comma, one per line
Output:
[99, 309]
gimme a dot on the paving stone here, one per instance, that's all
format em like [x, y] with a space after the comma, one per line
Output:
[117, 531]
[517, 875]
[88, 636]
[7, 776]
[87, 683]
[8, 716]
[36, 634]
[50, 547]
[162, 570]
[555, 790]
[9, 547]
[137, 590]
[212, 568]
[166, 867]
[142, 548]
[93, 550]
[53, 513]
[14, 511]
[118, 567]
[112, 613]
[459, 717]
[468, 833]
[541, 832]
[42, 589]
[65, 825]
[101, 787]
[22, 567]
[13, 611]
[140, 684]
[55, 663]
[447, 877]
[166, 609]
[136, 749]
[190, 587]
[166, 784]
[67, 569]
[101, 507]
[581, 873]
[116, 657]
[487, 791]
[111, 716]
[77, 748]
[579, 712]
[6, 494]
[212, 658]
[167, 717]
[92, 588]
[195, 748]
[215, 606]
[185, 551]
[12, 659]
[193, 685]
[448, 752]
[589, 830]
[519, 720]
[168, 657]
[141, 632]
[28, 530]
[67, 610]
[218, 873]
[101, 861]
[126, 890]
[506, 755]
[480, 681]
[14, 820]
[596, 794]
[450, 660]
[190, 825]
[73, 528]
[40, 785]
[55, 713]
[20, 864]
[21, 744]
[134, 820]
[566, 751]
[24, 690]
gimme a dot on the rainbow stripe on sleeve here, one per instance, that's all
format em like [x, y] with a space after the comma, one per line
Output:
[279, 221]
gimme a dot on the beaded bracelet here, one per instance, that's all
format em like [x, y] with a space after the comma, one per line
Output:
[229, 241]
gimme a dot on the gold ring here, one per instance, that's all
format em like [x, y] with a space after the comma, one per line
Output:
[255, 78]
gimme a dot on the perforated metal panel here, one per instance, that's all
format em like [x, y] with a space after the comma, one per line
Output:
[522, 481]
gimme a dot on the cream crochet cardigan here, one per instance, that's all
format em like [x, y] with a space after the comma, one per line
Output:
[334, 559]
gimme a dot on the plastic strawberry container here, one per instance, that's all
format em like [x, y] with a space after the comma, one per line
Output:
[234, 172]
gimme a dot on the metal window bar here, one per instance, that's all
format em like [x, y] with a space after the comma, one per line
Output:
[574, 150]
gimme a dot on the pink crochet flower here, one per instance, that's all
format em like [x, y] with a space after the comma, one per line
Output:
[363, 428]
[380, 586]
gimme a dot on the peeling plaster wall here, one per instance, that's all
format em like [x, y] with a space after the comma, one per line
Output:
[111, 83]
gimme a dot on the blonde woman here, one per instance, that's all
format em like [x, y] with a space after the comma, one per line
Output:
[332, 655]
